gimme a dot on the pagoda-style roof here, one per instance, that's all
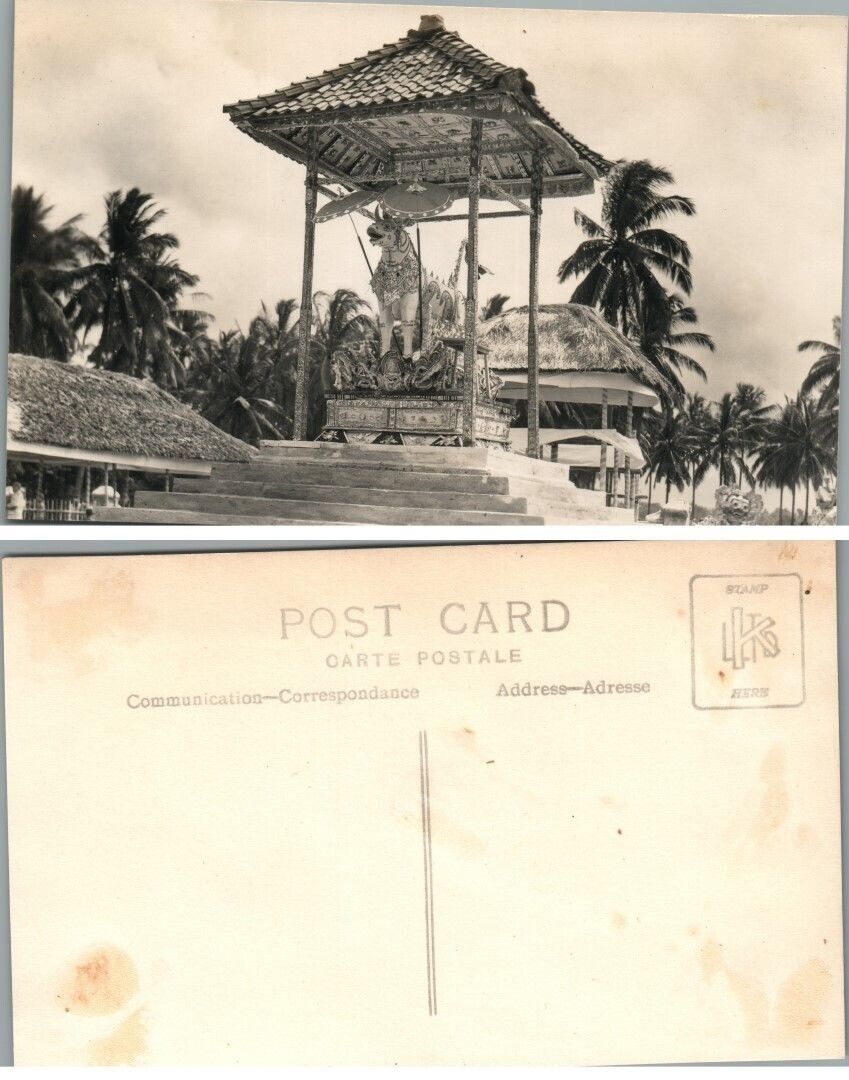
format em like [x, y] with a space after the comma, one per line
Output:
[406, 110]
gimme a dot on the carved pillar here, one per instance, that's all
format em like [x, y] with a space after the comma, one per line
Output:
[470, 382]
[305, 322]
[533, 306]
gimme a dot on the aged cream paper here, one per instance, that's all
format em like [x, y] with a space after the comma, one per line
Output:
[523, 804]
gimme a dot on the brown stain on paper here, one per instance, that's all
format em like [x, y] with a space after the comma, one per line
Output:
[98, 983]
[775, 800]
[126, 1044]
[799, 1006]
[73, 626]
[802, 999]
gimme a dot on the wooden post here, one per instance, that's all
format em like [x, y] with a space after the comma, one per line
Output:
[470, 352]
[299, 427]
[602, 472]
[533, 306]
[88, 485]
[629, 432]
[555, 451]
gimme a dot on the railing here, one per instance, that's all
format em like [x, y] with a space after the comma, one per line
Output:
[54, 510]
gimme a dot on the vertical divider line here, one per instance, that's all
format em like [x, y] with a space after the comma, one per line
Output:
[430, 875]
[424, 784]
[426, 873]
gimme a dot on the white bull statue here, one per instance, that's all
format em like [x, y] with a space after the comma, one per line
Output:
[396, 285]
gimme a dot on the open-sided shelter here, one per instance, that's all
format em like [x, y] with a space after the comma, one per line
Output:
[434, 108]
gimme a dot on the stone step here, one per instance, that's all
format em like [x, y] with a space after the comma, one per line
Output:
[340, 511]
[377, 495]
[402, 476]
[142, 515]
[445, 458]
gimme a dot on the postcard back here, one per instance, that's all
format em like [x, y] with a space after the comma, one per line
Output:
[520, 804]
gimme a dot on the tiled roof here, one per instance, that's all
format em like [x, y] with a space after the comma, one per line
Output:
[417, 68]
[412, 69]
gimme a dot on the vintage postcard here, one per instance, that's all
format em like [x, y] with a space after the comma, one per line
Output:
[282, 263]
[511, 805]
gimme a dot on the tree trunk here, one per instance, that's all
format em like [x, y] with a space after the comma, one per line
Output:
[781, 504]
[651, 477]
[693, 501]
[807, 499]
[793, 505]
[668, 489]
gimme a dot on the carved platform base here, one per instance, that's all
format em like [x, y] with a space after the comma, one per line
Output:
[412, 419]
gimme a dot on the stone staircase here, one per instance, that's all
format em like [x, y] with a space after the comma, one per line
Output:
[292, 483]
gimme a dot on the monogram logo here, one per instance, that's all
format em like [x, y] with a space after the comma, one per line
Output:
[744, 635]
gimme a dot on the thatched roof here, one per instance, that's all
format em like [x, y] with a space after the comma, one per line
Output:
[63, 405]
[572, 337]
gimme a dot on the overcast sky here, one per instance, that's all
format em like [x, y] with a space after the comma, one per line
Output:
[747, 112]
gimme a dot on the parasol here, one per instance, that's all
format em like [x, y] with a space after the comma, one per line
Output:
[415, 200]
[355, 201]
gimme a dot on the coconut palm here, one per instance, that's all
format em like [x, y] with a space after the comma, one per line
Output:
[494, 306]
[824, 375]
[339, 318]
[277, 333]
[663, 337]
[793, 448]
[42, 263]
[189, 329]
[720, 444]
[696, 411]
[231, 389]
[619, 261]
[749, 406]
[666, 442]
[131, 288]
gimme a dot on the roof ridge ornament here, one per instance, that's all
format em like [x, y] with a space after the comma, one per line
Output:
[428, 24]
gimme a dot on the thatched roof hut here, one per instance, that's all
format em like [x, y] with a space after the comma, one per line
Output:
[74, 415]
[580, 354]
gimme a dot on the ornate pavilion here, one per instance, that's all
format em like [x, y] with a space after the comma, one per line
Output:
[428, 110]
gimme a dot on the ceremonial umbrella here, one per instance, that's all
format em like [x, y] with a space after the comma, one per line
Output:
[415, 200]
[355, 201]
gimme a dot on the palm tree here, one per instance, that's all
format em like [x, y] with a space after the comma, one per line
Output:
[662, 339]
[825, 372]
[340, 318]
[494, 306]
[189, 328]
[748, 403]
[42, 264]
[719, 444]
[619, 260]
[697, 413]
[278, 335]
[666, 442]
[232, 389]
[793, 448]
[131, 288]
